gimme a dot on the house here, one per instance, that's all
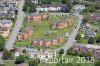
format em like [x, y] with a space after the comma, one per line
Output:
[37, 17]
[41, 42]
[96, 54]
[95, 16]
[68, 22]
[89, 33]
[29, 29]
[95, 49]
[3, 12]
[87, 26]
[11, 13]
[5, 23]
[53, 25]
[78, 8]
[4, 32]
[34, 1]
[42, 54]
[60, 39]
[47, 41]
[18, 52]
[25, 35]
[97, 0]
[61, 24]
[54, 7]
[54, 42]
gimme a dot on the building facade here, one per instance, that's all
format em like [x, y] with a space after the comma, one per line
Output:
[47, 42]
[37, 17]
[26, 34]
[53, 7]
[5, 23]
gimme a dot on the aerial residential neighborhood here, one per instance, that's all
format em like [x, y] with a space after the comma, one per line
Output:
[49, 33]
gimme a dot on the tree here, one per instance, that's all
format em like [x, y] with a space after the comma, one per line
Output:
[25, 7]
[16, 11]
[20, 59]
[68, 2]
[82, 54]
[7, 55]
[29, 6]
[69, 51]
[78, 37]
[2, 43]
[75, 53]
[33, 62]
[88, 55]
[24, 51]
[91, 40]
[61, 51]
[98, 40]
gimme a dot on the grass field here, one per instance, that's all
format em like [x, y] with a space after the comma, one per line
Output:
[9, 63]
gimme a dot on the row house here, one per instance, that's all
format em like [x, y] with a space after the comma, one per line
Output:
[53, 7]
[47, 42]
[95, 16]
[61, 24]
[5, 23]
[26, 34]
[37, 17]
[85, 48]
[4, 32]
[42, 54]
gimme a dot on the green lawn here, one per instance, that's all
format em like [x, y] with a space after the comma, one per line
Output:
[43, 28]
[9, 63]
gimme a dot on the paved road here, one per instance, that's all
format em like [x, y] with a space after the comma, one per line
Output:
[20, 17]
[72, 36]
